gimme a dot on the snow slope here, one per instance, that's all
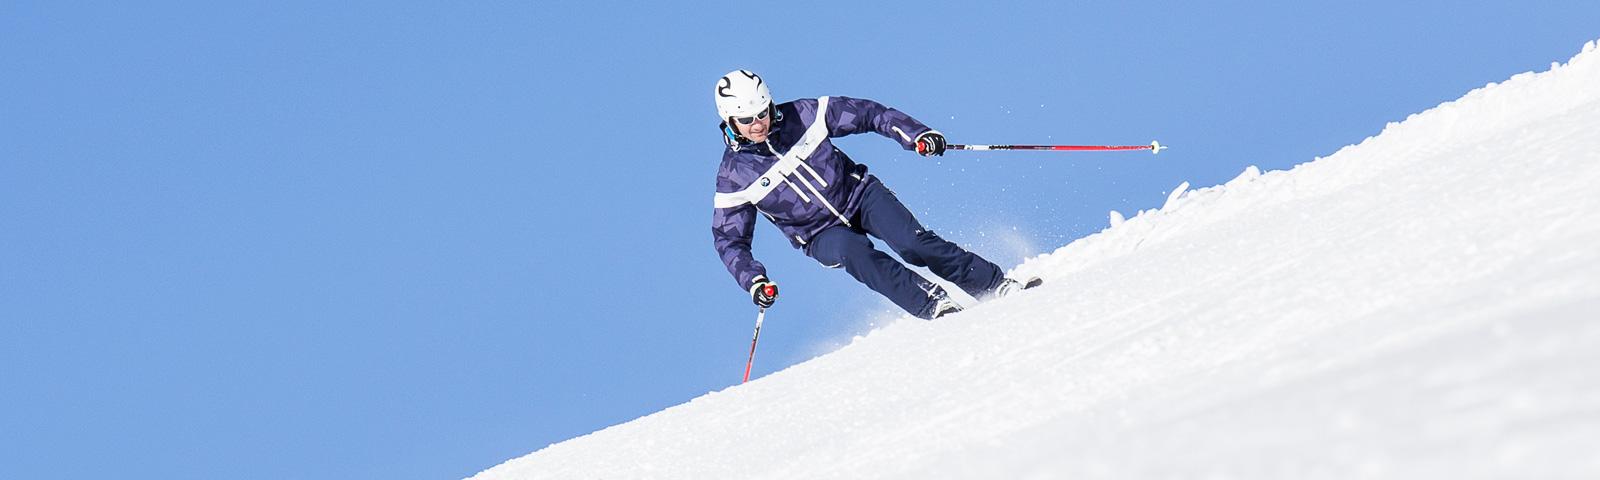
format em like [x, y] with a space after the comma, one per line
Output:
[1425, 304]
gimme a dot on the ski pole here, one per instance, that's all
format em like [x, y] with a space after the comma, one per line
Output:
[1153, 147]
[759, 317]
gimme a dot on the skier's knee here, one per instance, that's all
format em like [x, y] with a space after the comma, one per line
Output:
[924, 241]
[833, 247]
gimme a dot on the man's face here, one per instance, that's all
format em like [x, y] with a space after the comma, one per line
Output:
[757, 130]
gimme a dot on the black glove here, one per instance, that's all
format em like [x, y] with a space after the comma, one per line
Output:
[764, 292]
[930, 143]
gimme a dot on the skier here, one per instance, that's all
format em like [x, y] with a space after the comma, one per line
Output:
[780, 163]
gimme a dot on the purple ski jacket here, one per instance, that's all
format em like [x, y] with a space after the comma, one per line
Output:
[797, 179]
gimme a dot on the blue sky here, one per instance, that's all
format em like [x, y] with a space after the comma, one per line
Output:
[380, 240]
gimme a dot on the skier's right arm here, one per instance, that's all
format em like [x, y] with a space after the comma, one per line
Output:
[731, 231]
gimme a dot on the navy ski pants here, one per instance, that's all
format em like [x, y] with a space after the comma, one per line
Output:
[883, 216]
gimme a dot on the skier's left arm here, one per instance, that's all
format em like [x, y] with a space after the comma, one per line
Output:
[848, 116]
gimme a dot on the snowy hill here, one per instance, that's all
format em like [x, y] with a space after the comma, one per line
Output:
[1425, 304]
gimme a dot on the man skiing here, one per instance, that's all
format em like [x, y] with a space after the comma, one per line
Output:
[780, 163]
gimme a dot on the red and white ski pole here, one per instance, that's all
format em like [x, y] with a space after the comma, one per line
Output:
[752, 360]
[1153, 147]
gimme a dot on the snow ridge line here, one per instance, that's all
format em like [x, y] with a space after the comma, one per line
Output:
[1520, 100]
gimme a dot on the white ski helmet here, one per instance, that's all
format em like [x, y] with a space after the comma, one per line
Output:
[741, 93]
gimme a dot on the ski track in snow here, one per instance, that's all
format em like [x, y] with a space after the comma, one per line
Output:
[1423, 304]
